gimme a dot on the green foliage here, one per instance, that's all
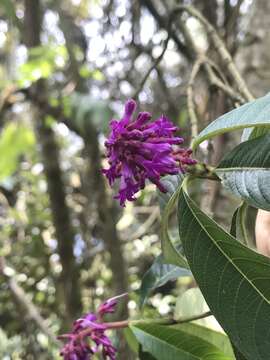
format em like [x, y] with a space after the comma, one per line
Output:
[10, 348]
[159, 274]
[233, 279]
[42, 63]
[253, 114]
[87, 112]
[191, 303]
[239, 225]
[214, 337]
[15, 140]
[169, 247]
[11, 12]
[170, 343]
[171, 183]
[245, 171]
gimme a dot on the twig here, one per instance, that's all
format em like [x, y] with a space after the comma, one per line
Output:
[171, 19]
[221, 50]
[21, 297]
[190, 102]
[154, 65]
[146, 225]
[227, 89]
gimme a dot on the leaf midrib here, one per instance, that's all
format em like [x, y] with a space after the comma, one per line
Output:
[171, 345]
[242, 169]
[209, 135]
[224, 254]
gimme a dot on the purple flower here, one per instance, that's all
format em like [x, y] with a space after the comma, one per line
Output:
[88, 335]
[109, 305]
[139, 149]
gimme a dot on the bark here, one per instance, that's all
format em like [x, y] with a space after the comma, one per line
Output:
[56, 189]
[96, 191]
[162, 22]
[107, 215]
[98, 200]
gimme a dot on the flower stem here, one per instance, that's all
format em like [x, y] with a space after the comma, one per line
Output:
[125, 323]
[201, 170]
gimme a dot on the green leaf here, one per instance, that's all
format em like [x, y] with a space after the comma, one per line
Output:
[245, 171]
[42, 62]
[145, 355]
[167, 203]
[252, 133]
[238, 225]
[158, 275]
[238, 355]
[168, 343]
[233, 279]
[171, 183]
[253, 114]
[11, 13]
[131, 340]
[214, 337]
[192, 303]
[85, 109]
[15, 140]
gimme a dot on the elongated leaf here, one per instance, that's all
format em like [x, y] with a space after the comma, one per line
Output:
[253, 114]
[167, 343]
[238, 355]
[169, 249]
[214, 337]
[252, 133]
[171, 183]
[167, 203]
[131, 340]
[245, 171]
[145, 355]
[233, 279]
[192, 303]
[158, 275]
[238, 226]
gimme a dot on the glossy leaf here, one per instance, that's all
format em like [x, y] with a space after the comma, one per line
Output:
[238, 355]
[253, 114]
[168, 343]
[158, 275]
[214, 337]
[245, 171]
[170, 247]
[233, 279]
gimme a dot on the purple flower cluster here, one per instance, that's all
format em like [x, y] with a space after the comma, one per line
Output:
[139, 149]
[88, 335]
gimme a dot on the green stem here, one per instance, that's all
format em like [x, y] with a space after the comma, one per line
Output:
[173, 321]
[203, 171]
[125, 323]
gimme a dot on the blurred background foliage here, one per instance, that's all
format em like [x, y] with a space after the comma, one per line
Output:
[66, 68]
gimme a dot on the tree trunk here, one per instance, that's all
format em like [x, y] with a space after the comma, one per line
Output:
[56, 189]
